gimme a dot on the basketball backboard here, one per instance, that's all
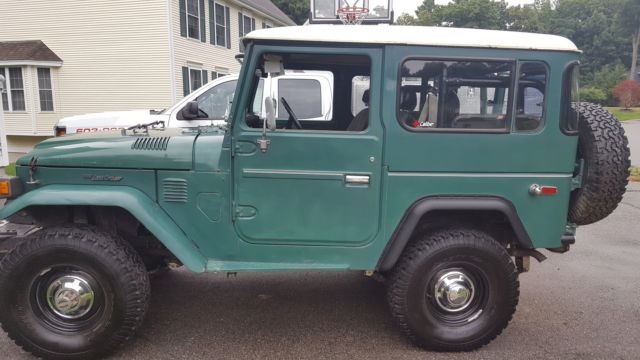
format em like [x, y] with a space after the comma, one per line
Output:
[326, 11]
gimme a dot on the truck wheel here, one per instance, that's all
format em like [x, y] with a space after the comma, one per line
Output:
[605, 150]
[72, 292]
[453, 290]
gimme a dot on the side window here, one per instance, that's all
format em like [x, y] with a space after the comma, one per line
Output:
[359, 94]
[323, 92]
[570, 96]
[303, 95]
[455, 95]
[214, 104]
[532, 83]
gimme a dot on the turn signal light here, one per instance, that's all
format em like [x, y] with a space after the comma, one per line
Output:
[10, 187]
[5, 188]
[60, 130]
[536, 189]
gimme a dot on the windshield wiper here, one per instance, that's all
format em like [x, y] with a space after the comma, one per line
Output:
[143, 127]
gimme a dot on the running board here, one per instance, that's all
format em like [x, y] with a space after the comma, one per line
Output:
[217, 266]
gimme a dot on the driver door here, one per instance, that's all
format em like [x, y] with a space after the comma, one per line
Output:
[311, 187]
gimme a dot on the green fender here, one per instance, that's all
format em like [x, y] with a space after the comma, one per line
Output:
[136, 202]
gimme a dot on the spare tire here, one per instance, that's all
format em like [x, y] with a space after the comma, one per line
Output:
[605, 151]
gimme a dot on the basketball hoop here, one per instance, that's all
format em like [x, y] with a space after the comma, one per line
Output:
[352, 15]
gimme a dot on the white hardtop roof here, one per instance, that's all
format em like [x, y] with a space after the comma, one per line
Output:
[416, 35]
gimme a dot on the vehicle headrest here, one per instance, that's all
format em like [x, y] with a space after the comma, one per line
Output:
[365, 97]
[408, 99]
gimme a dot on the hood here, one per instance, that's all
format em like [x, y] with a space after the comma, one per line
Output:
[109, 120]
[157, 149]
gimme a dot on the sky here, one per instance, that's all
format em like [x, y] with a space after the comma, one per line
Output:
[410, 6]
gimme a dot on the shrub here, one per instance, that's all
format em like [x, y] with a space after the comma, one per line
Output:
[593, 95]
[627, 92]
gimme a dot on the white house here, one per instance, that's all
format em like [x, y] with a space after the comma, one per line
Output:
[70, 57]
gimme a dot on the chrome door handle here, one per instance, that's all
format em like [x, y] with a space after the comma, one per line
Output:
[357, 179]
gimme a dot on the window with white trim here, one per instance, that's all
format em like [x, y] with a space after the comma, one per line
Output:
[221, 22]
[195, 79]
[246, 24]
[193, 19]
[45, 89]
[13, 99]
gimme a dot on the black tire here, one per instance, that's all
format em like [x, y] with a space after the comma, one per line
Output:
[433, 323]
[38, 273]
[605, 150]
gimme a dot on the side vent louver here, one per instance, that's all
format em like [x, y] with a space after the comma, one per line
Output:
[151, 143]
[174, 190]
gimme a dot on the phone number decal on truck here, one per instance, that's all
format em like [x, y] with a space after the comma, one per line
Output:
[83, 130]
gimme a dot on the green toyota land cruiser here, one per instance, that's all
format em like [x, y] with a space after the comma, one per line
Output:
[451, 157]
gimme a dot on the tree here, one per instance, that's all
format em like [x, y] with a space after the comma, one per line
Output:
[629, 19]
[627, 92]
[479, 14]
[525, 18]
[297, 10]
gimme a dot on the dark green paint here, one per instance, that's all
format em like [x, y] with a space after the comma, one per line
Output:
[219, 204]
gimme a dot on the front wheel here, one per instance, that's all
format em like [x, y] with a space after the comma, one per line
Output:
[72, 293]
[453, 290]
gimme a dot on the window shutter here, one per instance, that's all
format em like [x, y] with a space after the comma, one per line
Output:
[253, 24]
[212, 22]
[214, 75]
[205, 77]
[185, 81]
[240, 33]
[203, 26]
[183, 18]
[228, 27]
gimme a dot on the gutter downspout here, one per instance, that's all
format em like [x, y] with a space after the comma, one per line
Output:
[172, 59]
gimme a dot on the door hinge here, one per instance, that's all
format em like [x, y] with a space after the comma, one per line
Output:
[576, 181]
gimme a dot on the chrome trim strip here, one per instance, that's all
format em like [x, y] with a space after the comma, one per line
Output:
[483, 175]
[292, 172]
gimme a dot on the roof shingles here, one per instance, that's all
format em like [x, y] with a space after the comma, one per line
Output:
[268, 7]
[30, 50]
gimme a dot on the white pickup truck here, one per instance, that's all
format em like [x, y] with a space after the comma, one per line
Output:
[213, 101]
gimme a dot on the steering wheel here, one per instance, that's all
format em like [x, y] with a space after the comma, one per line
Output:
[293, 122]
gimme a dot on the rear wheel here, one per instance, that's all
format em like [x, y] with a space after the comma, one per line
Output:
[72, 293]
[453, 290]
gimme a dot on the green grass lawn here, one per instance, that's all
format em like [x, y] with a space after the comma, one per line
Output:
[625, 115]
[10, 169]
[635, 173]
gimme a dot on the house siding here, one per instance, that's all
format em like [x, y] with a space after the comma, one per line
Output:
[195, 53]
[115, 56]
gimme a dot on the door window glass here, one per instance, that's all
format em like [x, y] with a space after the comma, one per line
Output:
[301, 94]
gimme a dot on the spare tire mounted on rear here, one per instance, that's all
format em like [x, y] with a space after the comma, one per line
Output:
[605, 151]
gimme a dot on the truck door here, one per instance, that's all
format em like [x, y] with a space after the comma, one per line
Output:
[318, 185]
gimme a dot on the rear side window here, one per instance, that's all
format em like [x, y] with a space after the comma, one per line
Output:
[570, 98]
[532, 84]
[302, 95]
[455, 95]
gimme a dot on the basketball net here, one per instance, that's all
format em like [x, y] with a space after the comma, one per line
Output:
[352, 15]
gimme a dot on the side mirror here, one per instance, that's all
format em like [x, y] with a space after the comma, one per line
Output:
[270, 109]
[190, 111]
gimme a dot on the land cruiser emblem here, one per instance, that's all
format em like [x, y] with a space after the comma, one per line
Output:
[102, 177]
